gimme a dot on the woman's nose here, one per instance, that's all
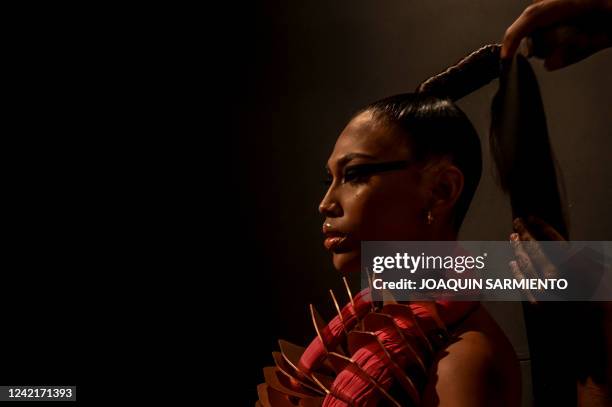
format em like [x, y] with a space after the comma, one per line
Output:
[330, 207]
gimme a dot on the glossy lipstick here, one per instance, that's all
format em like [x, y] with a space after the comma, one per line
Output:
[333, 239]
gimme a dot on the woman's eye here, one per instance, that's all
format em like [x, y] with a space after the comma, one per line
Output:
[355, 175]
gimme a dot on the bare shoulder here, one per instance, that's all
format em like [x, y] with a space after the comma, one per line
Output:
[471, 351]
[478, 368]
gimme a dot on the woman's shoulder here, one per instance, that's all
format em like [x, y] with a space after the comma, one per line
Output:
[479, 367]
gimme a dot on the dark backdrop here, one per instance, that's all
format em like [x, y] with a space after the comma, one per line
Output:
[296, 72]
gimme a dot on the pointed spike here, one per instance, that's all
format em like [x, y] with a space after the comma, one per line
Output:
[358, 340]
[331, 292]
[291, 352]
[326, 368]
[340, 349]
[319, 325]
[278, 381]
[338, 361]
[348, 362]
[294, 374]
[323, 385]
[342, 363]
[348, 291]
[403, 378]
[371, 287]
[301, 386]
[379, 322]
[324, 381]
[374, 322]
[405, 311]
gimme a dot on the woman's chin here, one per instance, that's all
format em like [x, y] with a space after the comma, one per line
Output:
[347, 262]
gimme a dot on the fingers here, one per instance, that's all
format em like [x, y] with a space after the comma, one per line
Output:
[534, 251]
[522, 268]
[518, 274]
[523, 261]
[541, 14]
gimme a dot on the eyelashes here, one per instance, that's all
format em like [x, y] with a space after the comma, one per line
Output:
[358, 174]
[355, 174]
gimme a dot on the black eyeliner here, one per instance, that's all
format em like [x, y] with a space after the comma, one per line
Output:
[368, 169]
[374, 168]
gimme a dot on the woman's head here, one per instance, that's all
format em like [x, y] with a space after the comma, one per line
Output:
[404, 168]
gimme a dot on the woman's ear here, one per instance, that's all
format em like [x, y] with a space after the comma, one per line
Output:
[447, 187]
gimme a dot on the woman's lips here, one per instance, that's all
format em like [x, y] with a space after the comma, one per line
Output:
[335, 240]
[332, 243]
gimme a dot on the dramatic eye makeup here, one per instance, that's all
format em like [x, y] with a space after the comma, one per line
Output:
[358, 173]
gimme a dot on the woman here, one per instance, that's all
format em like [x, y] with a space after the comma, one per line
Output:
[404, 168]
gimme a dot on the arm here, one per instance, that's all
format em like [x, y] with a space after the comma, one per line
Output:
[553, 23]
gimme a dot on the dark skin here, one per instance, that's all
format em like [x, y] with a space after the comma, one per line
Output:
[391, 205]
[550, 19]
[480, 367]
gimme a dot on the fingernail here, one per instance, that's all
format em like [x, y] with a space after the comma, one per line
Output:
[526, 47]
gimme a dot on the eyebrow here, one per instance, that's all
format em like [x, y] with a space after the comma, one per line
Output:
[349, 157]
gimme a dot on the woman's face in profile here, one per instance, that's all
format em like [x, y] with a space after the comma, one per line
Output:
[375, 192]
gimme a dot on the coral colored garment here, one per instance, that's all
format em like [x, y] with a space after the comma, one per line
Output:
[432, 318]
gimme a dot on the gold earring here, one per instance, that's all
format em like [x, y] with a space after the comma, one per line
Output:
[430, 217]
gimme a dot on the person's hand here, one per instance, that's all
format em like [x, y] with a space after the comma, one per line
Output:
[561, 32]
[588, 319]
[583, 267]
[530, 260]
